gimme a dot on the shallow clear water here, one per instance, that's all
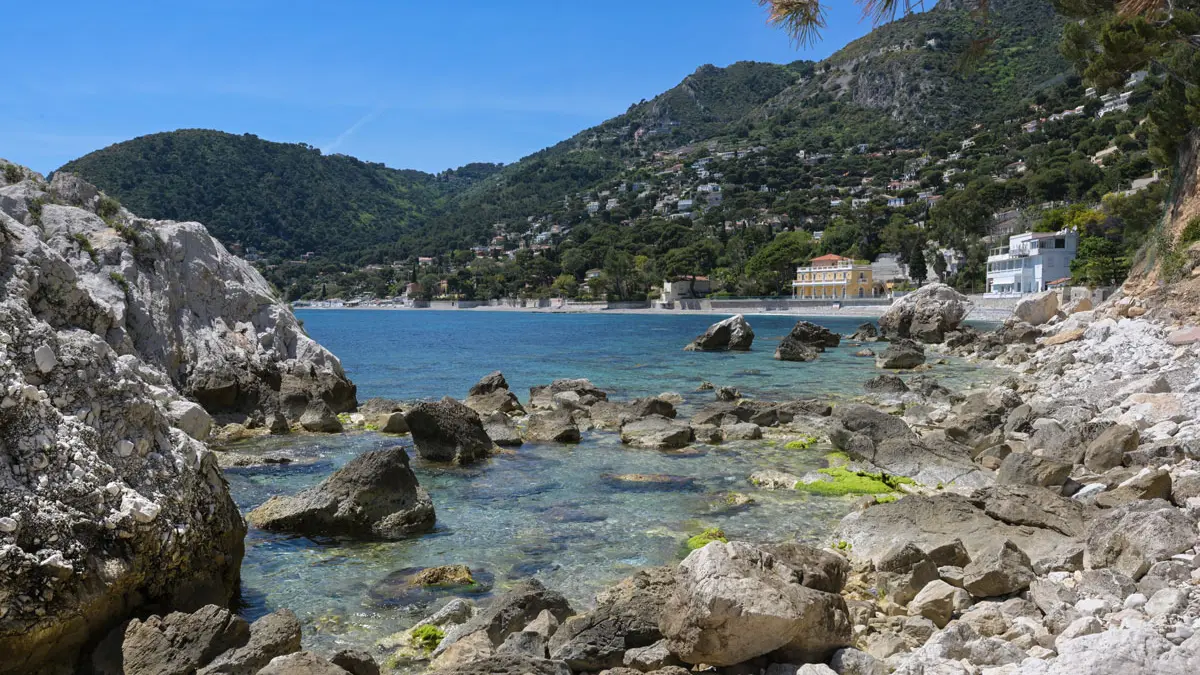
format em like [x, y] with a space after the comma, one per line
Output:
[551, 511]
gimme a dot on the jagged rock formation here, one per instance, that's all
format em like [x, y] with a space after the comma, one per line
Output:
[171, 295]
[108, 499]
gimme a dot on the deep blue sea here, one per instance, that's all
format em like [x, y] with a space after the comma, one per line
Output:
[554, 512]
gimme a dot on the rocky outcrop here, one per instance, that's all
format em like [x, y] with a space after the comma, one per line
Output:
[108, 504]
[925, 315]
[375, 496]
[735, 602]
[173, 296]
[732, 334]
[804, 341]
[491, 395]
[447, 431]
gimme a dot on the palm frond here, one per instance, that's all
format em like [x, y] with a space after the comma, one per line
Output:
[802, 19]
[1140, 7]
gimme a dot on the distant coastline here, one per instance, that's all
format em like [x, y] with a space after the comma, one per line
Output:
[982, 312]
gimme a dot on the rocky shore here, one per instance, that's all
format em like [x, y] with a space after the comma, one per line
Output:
[1044, 524]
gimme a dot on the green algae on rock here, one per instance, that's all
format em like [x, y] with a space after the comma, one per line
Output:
[843, 481]
[706, 537]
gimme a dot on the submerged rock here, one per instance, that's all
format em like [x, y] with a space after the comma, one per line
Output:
[375, 496]
[448, 431]
[657, 433]
[732, 334]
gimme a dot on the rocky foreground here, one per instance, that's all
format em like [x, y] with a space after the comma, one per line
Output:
[1046, 524]
[120, 340]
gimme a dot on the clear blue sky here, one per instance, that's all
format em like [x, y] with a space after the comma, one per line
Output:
[423, 85]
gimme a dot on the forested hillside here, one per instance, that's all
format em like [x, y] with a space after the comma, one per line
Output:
[909, 141]
[282, 199]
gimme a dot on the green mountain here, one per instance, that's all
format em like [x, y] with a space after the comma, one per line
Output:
[280, 198]
[899, 85]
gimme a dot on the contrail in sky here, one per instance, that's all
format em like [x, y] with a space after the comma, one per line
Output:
[366, 119]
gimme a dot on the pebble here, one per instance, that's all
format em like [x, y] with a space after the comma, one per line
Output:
[8, 525]
[124, 448]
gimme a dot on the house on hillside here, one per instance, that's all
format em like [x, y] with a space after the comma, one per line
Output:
[832, 277]
[1030, 261]
[682, 289]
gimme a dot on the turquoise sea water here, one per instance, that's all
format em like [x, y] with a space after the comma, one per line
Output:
[551, 511]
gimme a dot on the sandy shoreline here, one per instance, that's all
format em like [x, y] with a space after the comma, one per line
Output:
[862, 311]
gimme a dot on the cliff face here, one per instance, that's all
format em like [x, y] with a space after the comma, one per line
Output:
[1164, 277]
[109, 500]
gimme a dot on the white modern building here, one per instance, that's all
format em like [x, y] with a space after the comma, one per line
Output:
[1030, 261]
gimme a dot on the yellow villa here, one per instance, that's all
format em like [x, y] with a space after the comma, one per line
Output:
[832, 277]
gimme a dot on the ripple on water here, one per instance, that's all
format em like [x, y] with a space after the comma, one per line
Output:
[577, 517]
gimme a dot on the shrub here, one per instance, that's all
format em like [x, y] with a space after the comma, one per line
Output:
[13, 173]
[108, 207]
[35, 210]
[119, 280]
[1190, 234]
[85, 245]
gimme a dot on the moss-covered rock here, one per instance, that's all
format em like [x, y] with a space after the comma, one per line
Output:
[843, 481]
[706, 537]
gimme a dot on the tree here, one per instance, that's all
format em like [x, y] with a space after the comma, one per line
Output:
[775, 263]
[565, 286]
[695, 259]
[917, 268]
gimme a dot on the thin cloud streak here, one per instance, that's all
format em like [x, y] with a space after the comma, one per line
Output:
[342, 137]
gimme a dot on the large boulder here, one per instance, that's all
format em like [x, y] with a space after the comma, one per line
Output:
[804, 341]
[732, 334]
[948, 521]
[927, 314]
[1131, 538]
[493, 381]
[180, 643]
[626, 617]
[108, 504]
[375, 496]
[999, 569]
[447, 431]
[735, 602]
[275, 634]
[1038, 308]
[901, 354]
[613, 414]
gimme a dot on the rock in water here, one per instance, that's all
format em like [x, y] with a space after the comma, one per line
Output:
[555, 426]
[493, 381]
[804, 341]
[108, 504]
[375, 496]
[657, 433]
[926, 314]
[865, 333]
[734, 602]
[179, 642]
[901, 354]
[732, 334]
[626, 617]
[448, 431]
[572, 393]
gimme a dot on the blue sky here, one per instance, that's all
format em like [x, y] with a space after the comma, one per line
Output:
[423, 85]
